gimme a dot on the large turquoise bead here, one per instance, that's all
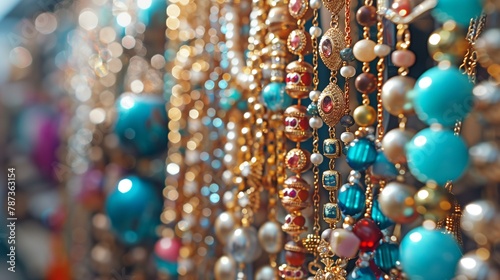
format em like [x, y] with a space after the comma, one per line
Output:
[351, 200]
[134, 208]
[460, 11]
[379, 218]
[429, 255]
[361, 273]
[361, 153]
[386, 255]
[442, 95]
[437, 155]
[275, 97]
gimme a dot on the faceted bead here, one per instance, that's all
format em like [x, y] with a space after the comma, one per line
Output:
[366, 15]
[327, 104]
[275, 97]
[347, 54]
[361, 273]
[295, 258]
[403, 58]
[366, 83]
[351, 200]
[379, 218]
[386, 256]
[331, 212]
[361, 154]
[327, 47]
[312, 109]
[368, 233]
[344, 243]
[347, 121]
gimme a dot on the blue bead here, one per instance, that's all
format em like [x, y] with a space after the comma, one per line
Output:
[383, 168]
[351, 200]
[460, 11]
[429, 254]
[134, 208]
[386, 255]
[275, 97]
[361, 273]
[361, 154]
[379, 218]
[437, 155]
[442, 95]
[141, 124]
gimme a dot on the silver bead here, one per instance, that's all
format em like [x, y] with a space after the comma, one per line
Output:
[224, 225]
[243, 245]
[347, 71]
[314, 95]
[225, 268]
[316, 158]
[271, 237]
[315, 122]
[382, 50]
[397, 203]
[315, 31]
[315, 4]
[484, 153]
[481, 221]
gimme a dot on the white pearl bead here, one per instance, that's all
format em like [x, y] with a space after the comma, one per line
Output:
[382, 50]
[315, 31]
[364, 50]
[316, 158]
[315, 122]
[315, 4]
[314, 95]
[347, 137]
[347, 71]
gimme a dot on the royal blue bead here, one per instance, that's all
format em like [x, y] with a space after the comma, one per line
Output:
[134, 208]
[442, 95]
[383, 168]
[437, 155]
[386, 256]
[275, 97]
[361, 153]
[429, 254]
[460, 11]
[351, 200]
[361, 273]
[141, 124]
[379, 218]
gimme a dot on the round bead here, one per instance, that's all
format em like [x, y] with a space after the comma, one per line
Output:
[383, 168]
[348, 71]
[347, 121]
[224, 225]
[473, 266]
[344, 243]
[299, 79]
[397, 203]
[382, 50]
[364, 115]
[429, 254]
[364, 50]
[361, 154]
[368, 233]
[325, 235]
[366, 83]
[437, 155]
[436, 100]
[433, 202]
[395, 95]
[264, 273]
[315, 31]
[347, 137]
[361, 273]
[275, 97]
[351, 200]
[393, 144]
[296, 123]
[295, 258]
[366, 15]
[448, 43]
[316, 158]
[460, 11]
[314, 95]
[315, 122]
[271, 237]
[225, 268]
[481, 219]
[379, 218]
[403, 58]
[243, 244]
[315, 4]
[168, 249]
[347, 54]
[386, 256]
[312, 109]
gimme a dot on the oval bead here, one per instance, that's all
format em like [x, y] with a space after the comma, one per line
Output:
[382, 50]
[243, 245]
[361, 153]
[224, 225]
[225, 268]
[429, 254]
[368, 233]
[460, 11]
[364, 50]
[403, 58]
[271, 237]
[351, 200]
[437, 155]
[344, 243]
[275, 97]
[379, 218]
[386, 256]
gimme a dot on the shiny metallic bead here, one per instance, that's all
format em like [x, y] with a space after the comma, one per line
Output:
[224, 225]
[364, 115]
[395, 95]
[433, 202]
[397, 203]
[271, 237]
[243, 244]
[225, 268]
[393, 144]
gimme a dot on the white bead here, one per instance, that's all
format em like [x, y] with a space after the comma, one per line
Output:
[382, 50]
[364, 51]
[347, 71]
[315, 31]
[355, 174]
[347, 137]
[315, 4]
[316, 158]
[315, 122]
[314, 95]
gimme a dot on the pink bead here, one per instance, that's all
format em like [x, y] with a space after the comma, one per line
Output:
[168, 249]
[344, 243]
[403, 58]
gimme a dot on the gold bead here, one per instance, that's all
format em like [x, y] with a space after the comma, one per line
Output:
[364, 115]
[434, 202]
[448, 43]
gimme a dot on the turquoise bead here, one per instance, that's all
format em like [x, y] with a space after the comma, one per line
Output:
[379, 218]
[437, 155]
[233, 94]
[275, 97]
[460, 11]
[429, 255]
[361, 273]
[361, 153]
[442, 95]
[386, 255]
[134, 208]
[351, 200]
[166, 266]
[383, 168]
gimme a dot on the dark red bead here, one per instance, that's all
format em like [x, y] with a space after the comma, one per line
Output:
[299, 221]
[366, 83]
[295, 258]
[369, 234]
[366, 15]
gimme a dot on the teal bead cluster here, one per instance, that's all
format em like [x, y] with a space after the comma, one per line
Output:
[361, 153]
[437, 155]
[275, 97]
[352, 200]
[386, 256]
[460, 11]
[383, 168]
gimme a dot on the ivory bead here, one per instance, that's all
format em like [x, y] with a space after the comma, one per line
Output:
[315, 122]
[347, 71]
[314, 95]
[347, 137]
[315, 31]
[364, 50]
[403, 58]
[315, 4]
[382, 50]
[316, 158]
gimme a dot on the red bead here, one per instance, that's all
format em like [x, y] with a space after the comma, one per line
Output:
[369, 234]
[299, 221]
[306, 79]
[402, 7]
[303, 195]
[295, 258]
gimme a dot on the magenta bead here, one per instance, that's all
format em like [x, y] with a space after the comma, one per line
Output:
[403, 58]
[168, 249]
[344, 243]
